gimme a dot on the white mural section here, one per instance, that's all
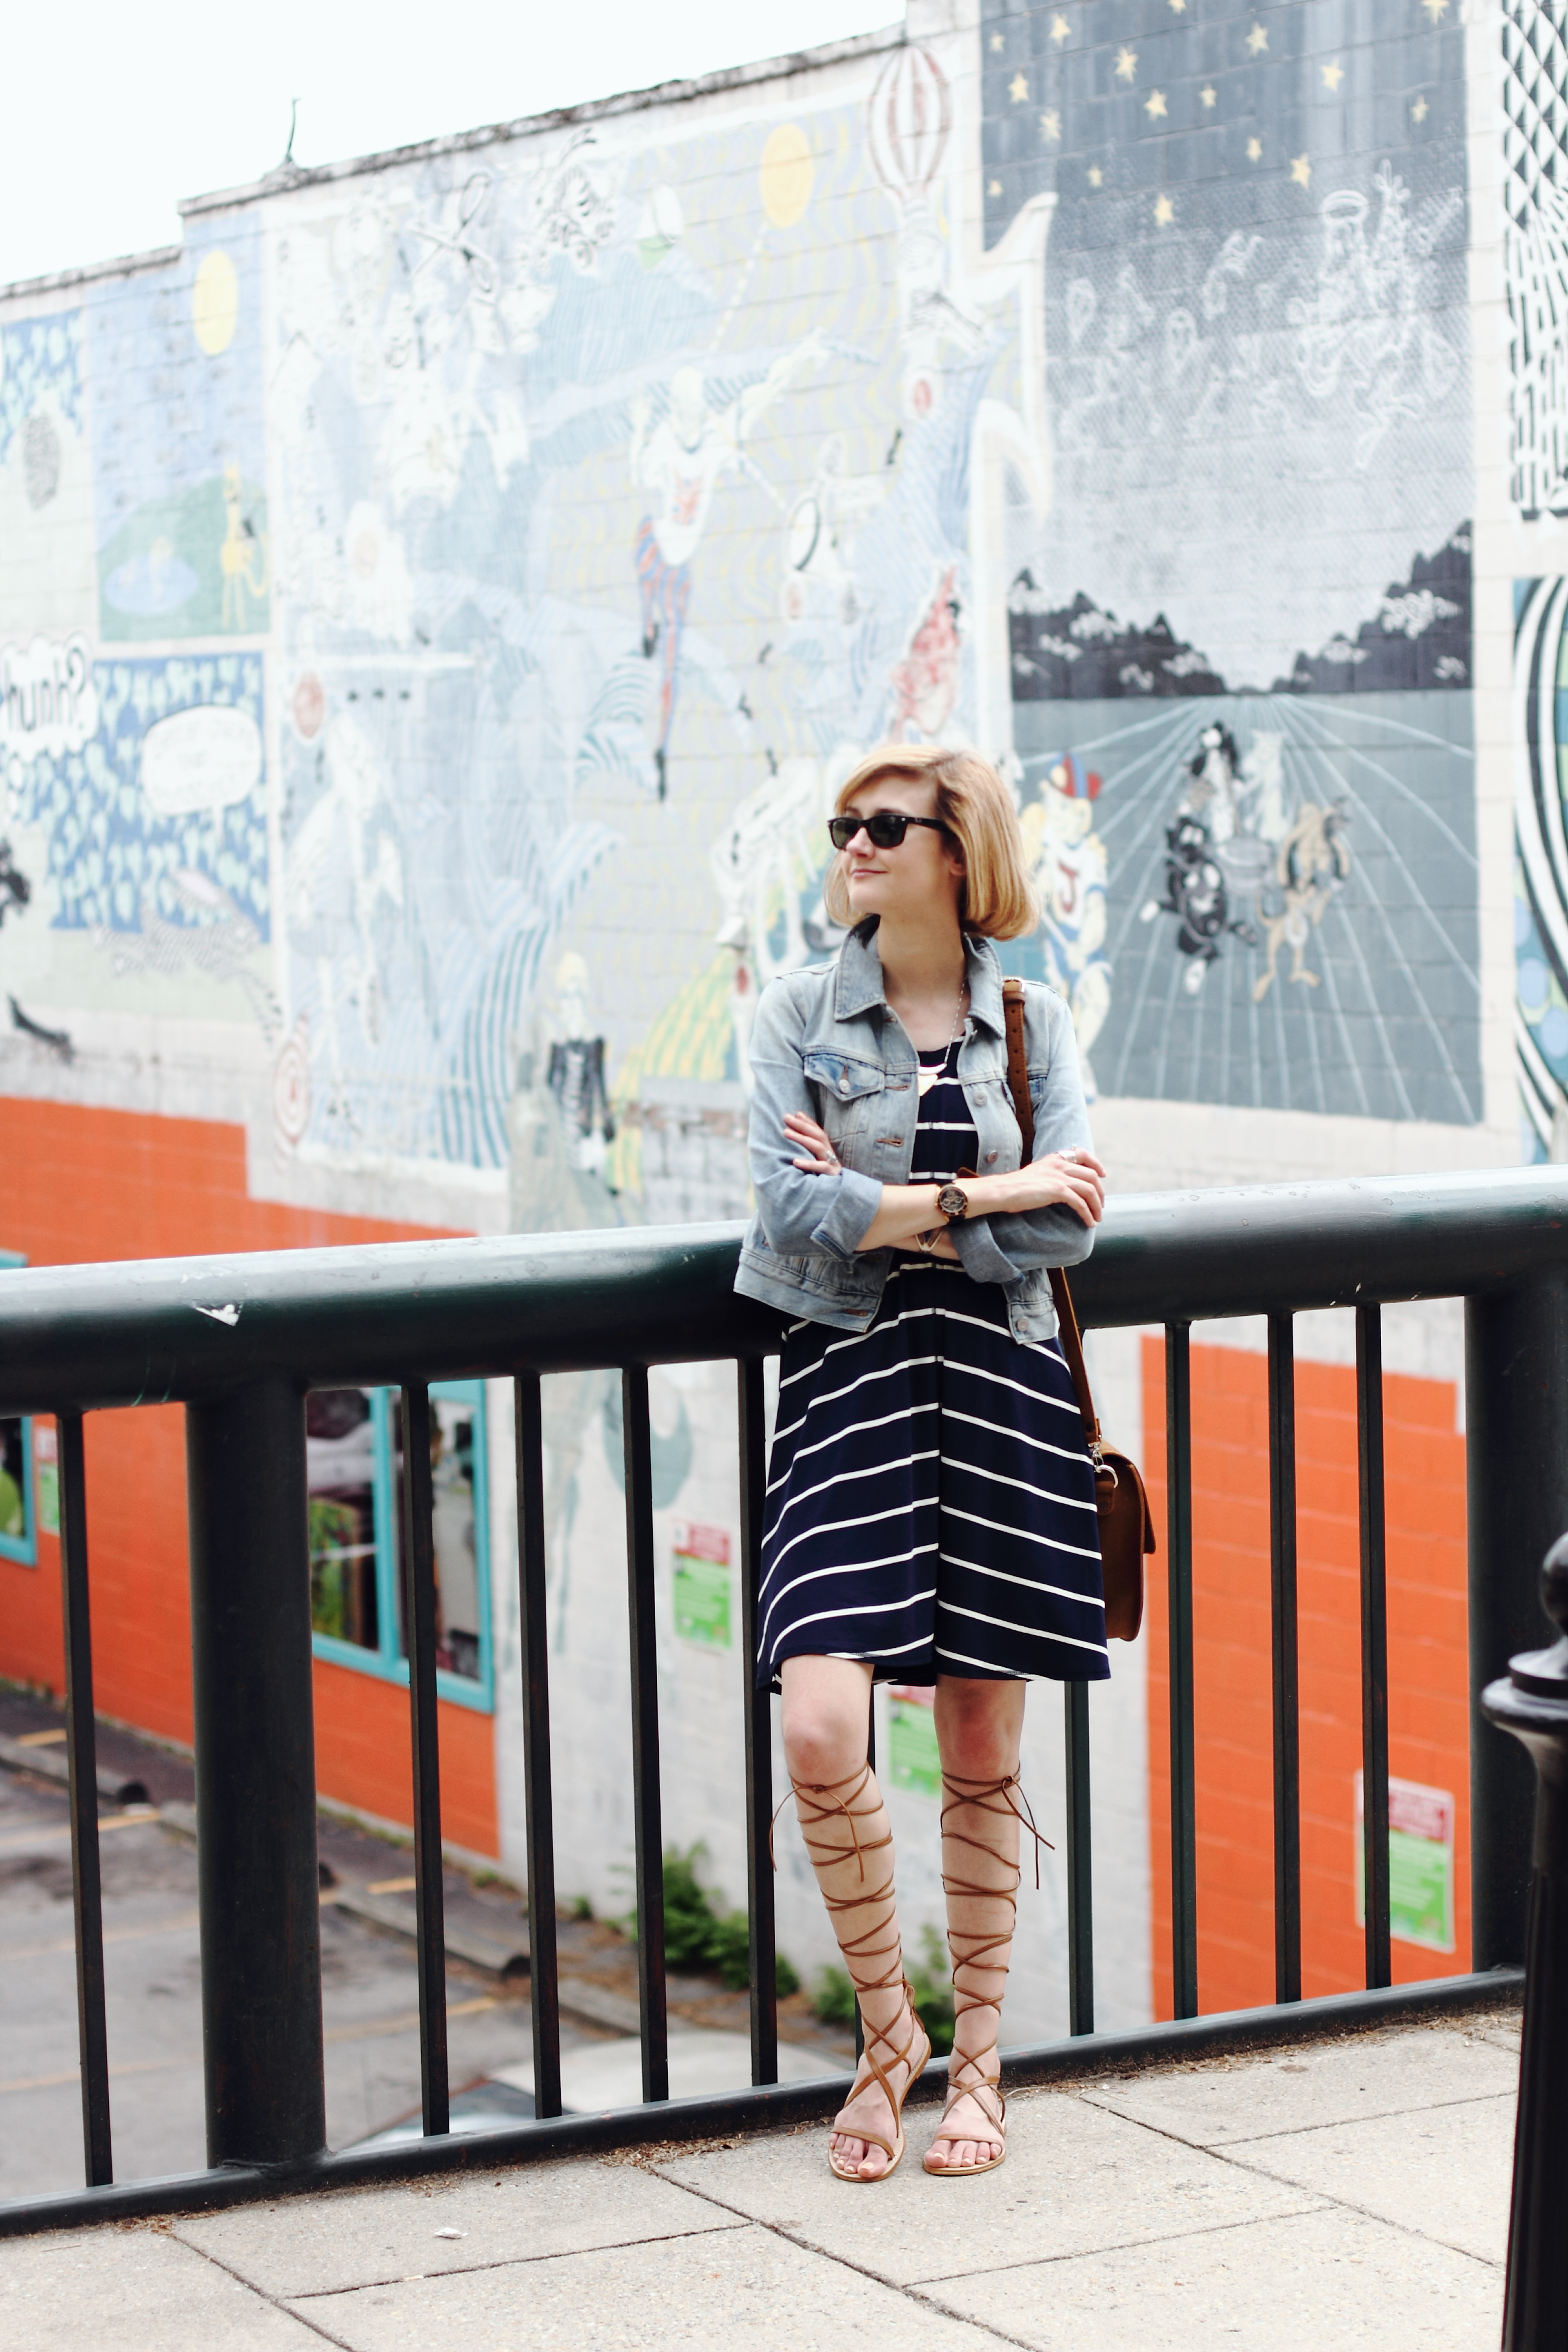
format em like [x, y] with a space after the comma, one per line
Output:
[617, 510]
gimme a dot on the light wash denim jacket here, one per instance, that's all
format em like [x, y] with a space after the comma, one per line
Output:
[826, 1042]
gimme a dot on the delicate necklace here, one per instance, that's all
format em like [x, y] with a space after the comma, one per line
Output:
[928, 1078]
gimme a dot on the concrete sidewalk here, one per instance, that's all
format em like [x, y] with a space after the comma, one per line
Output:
[1339, 2193]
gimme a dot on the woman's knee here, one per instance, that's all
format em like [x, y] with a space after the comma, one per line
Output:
[824, 1719]
[979, 1724]
[820, 1746]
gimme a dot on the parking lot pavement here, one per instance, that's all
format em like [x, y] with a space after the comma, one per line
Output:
[370, 1996]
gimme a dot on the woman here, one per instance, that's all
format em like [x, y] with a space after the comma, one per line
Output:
[931, 1507]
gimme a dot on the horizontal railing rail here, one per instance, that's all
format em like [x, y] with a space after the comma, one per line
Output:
[240, 1339]
[170, 1330]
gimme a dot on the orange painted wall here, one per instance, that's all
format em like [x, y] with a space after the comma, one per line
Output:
[78, 1186]
[1428, 1706]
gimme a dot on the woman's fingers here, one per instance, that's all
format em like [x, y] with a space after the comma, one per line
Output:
[1077, 1181]
[811, 1140]
[817, 1155]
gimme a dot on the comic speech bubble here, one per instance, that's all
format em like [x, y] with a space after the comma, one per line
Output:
[203, 758]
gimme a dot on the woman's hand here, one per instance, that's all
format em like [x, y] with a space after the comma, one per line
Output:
[1074, 1179]
[818, 1157]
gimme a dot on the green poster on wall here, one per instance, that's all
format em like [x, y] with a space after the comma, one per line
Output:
[701, 1585]
[1420, 1865]
[46, 1477]
[913, 1762]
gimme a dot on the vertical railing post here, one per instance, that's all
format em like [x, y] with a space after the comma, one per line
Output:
[647, 1807]
[419, 1633]
[1080, 1862]
[256, 1776]
[1179, 1555]
[759, 1729]
[1282, 1609]
[81, 1753]
[1516, 1454]
[534, 1643]
[1531, 1702]
[1373, 1643]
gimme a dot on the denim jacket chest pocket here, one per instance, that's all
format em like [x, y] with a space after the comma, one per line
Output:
[850, 1090]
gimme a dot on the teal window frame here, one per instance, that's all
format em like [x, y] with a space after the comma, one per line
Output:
[23, 1548]
[386, 1661]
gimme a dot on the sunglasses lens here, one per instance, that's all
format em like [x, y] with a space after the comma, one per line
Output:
[887, 828]
[842, 830]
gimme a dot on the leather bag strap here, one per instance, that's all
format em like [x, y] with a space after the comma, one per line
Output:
[1071, 1338]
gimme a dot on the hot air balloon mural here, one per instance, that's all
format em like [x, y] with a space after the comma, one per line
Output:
[908, 123]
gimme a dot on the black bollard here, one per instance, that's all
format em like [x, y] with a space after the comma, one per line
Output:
[1532, 1703]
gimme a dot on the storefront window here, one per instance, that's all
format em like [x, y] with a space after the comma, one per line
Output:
[16, 1532]
[354, 1454]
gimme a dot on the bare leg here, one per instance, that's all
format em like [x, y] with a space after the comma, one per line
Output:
[826, 1705]
[978, 1727]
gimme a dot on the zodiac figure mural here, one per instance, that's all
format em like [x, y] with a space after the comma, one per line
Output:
[1314, 859]
[681, 459]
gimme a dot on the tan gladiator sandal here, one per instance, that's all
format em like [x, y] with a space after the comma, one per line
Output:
[967, 2075]
[814, 1806]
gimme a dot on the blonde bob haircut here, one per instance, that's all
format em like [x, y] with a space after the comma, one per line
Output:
[997, 899]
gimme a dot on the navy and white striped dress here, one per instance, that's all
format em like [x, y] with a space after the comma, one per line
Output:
[930, 1501]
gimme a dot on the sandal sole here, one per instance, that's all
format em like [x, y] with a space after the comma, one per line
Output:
[872, 2179]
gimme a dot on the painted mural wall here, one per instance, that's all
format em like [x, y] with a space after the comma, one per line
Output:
[437, 607]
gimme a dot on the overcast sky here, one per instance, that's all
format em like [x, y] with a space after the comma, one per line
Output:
[117, 112]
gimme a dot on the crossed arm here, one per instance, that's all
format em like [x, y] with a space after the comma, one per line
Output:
[1071, 1178]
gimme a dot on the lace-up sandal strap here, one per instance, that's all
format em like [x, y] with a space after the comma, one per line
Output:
[819, 1801]
[997, 1797]
[881, 2074]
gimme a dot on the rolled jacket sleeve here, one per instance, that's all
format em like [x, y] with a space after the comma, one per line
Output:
[1005, 1248]
[802, 1215]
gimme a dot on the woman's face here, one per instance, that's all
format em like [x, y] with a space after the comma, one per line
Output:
[923, 878]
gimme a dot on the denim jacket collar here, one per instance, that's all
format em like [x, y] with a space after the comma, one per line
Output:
[858, 987]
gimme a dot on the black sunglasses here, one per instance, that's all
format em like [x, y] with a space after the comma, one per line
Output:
[886, 830]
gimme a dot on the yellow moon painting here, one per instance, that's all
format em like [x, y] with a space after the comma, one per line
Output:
[787, 174]
[214, 304]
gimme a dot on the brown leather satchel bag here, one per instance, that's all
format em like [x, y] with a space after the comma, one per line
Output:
[1126, 1527]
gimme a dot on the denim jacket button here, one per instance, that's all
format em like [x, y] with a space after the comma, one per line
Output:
[989, 1158]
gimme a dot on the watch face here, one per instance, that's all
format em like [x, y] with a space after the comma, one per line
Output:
[953, 1201]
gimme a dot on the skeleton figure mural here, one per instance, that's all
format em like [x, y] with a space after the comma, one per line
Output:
[577, 1071]
[16, 889]
[681, 461]
[1068, 863]
[561, 1123]
[1207, 854]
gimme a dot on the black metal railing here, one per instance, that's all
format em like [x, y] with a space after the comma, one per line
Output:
[78, 1340]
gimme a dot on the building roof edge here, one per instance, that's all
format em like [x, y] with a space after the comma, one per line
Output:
[60, 281]
[560, 118]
